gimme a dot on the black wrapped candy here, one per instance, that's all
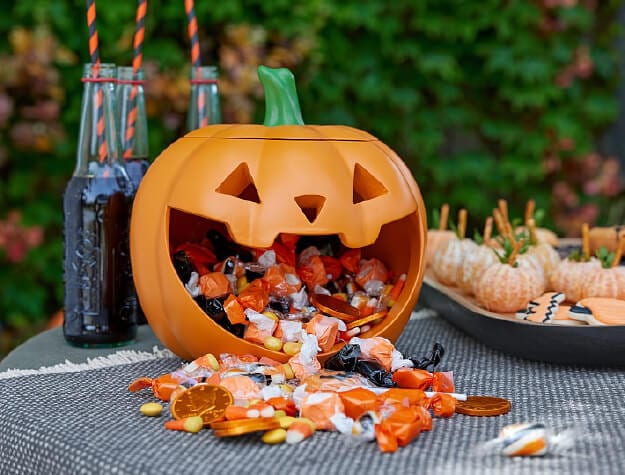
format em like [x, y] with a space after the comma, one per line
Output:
[375, 373]
[344, 360]
[214, 308]
[183, 266]
[429, 362]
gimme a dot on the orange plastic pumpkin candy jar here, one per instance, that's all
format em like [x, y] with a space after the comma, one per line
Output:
[257, 181]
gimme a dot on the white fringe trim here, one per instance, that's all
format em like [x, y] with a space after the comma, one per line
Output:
[423, 314]
[118, 358]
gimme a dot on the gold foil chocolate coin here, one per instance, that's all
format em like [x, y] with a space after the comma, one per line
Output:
[243, 426]
[483, 406]
[335, 307]
[205, 400]
[363, 321]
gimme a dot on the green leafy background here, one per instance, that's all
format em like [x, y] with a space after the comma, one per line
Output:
[484, 100]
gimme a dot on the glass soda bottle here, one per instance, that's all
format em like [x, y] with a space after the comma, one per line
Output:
[133, 131]
[100, 301]
[133, 122]
[204, 108]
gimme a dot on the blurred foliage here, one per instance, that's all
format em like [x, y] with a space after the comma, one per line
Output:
[482, 99]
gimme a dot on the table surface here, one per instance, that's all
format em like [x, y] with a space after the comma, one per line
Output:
[79, 417]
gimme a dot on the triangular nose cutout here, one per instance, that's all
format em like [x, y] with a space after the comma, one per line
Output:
[240, 184]
[310, 205]
[366, 186]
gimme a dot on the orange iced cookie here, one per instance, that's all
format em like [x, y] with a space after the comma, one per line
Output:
[599, 311]
[543, 309]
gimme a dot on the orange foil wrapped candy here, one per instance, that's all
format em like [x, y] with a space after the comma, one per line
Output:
[321, 407]
[162, 387]
[255, 295]
[214, 285]
[327, 380]
[376, 349]
[410, 397]
[413, 378]
[325, 329]
[234, 310]
[332, 266]
[312, 272]
[371, 269]
[443, 405]
[443, 382]
[243, 388]
[282, 280]
[357, 401]
[350, 260]
[260, 326]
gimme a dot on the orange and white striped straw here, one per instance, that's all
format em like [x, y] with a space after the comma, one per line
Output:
[94, 53]
[137, 58]
[195, 57]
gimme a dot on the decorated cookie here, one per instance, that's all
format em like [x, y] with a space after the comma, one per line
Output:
[548, 308]
[599, 311]
[543, 309]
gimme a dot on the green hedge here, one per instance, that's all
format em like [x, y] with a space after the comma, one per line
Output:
[483, 100]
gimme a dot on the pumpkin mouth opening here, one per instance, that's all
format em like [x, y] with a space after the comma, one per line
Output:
[333, 291]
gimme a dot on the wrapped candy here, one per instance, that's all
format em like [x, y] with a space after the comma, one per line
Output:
[359, 401]
[321, 407]
[336, 381]
[375, 373]
[529, 439]
[259, 327]
[200, 257]
[325, 329]
[420, 379]
[255, 296]
[345, 359]
[305, 363]
[371, 269]
[242, 387]
[234, 310]
[282, 280]
[376, 349]
[312, 272]
[289, 330]
[442, 405]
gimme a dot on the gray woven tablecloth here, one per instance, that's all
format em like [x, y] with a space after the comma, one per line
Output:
[87, 422]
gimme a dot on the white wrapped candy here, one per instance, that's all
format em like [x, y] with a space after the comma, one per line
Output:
[530, 440]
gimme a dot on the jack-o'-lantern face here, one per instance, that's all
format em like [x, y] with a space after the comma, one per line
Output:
[257, 182]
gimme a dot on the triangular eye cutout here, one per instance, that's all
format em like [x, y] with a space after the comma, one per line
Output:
[310, 205]
[366, 186]
[240, 184]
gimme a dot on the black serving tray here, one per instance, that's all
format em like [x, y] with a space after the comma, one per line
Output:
[585, 345]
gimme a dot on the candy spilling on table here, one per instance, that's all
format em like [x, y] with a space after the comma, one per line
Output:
[367, 391]
[529, 439]
[267, 296]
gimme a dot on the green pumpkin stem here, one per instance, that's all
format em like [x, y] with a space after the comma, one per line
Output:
[281, 101]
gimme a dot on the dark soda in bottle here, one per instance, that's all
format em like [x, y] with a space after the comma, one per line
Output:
[100, 300]
[133, 130]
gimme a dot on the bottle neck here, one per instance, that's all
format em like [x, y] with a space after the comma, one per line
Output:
[98, 141]
[204, 106]
[132, 117]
